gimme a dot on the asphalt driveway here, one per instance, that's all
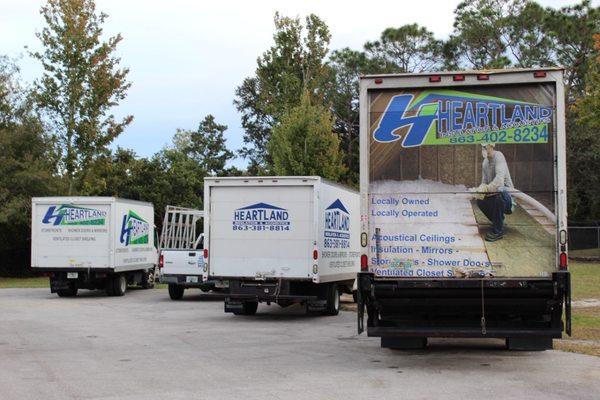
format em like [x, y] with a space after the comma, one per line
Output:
[145, 346]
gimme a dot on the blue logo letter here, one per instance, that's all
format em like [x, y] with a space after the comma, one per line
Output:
[51, 216]
[394, 118]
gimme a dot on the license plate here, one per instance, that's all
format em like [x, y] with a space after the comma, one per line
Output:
[72, 275]
[191, 279]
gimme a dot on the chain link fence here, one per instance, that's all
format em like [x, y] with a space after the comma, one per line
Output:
[584, 240]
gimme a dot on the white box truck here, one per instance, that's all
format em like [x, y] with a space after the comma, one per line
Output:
[281, 240]
[463, 207]
[93, 243]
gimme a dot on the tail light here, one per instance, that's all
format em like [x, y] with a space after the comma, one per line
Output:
[483, 77]
[315, 254]
[435, 78]
[364, 262]
[161, 261]
[205, 253]
[458, 78]
[539, 74]
[562, 262]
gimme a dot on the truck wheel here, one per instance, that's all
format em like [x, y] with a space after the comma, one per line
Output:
[333, 300]
[70, 292]
[248, 308]
[148, 279]
[175, 291]
[119, 285]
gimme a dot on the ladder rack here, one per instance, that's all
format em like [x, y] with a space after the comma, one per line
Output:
[180, 228]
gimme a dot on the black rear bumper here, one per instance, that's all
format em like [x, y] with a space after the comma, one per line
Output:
[276, 291]
[472, 308]
[181, 280]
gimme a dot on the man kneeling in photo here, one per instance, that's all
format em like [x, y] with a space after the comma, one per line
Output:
[496, 183]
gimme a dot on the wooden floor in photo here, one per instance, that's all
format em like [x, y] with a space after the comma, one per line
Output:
[527, 248]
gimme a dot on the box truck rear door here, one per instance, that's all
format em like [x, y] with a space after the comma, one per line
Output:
[72, 235]
[261, 231]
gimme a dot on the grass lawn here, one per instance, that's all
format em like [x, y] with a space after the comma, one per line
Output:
[585, 279]
[37, 282]
[585, 283]
[586, 332]
[595, 253]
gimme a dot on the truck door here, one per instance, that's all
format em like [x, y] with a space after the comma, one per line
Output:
[261, 231]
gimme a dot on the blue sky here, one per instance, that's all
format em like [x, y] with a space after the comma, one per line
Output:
[187, 57]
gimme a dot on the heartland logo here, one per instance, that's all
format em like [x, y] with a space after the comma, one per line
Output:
[435, 117]
[261, 214]
[73, 215]
[337, 221]
[134, 229]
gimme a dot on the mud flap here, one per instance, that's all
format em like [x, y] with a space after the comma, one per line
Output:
[360, 311]
[567, 292]
[364, 285]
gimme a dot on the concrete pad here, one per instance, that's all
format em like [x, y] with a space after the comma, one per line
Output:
[145, 346]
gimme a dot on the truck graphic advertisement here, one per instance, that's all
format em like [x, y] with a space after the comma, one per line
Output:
[67, 214]
[463, 207]
[438, 117]
[134, 229]
[458, 179]
[261, 217]
[337, 226]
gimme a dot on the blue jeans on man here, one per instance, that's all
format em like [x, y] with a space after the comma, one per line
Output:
[494, 206]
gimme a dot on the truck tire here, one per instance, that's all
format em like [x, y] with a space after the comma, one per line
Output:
[175, 291]
[248, 308]
[148, 279]
[333, 300]
[119, 285]
[70, 292]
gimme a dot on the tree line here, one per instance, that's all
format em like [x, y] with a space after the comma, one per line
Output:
[299, 109]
